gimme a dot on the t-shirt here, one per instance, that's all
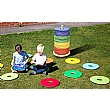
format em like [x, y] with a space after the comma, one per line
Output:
[39, 59]
[19, 57]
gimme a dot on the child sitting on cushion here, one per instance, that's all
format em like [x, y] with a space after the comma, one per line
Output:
[39, 61]
[20, 58]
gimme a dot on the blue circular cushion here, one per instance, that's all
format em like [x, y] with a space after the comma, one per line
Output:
[30, 55]
[90, 66]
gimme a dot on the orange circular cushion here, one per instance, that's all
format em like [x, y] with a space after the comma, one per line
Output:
[49, 60]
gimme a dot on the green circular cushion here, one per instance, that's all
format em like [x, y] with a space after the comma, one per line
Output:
[73, 73]
[9, 76]
[99, 79]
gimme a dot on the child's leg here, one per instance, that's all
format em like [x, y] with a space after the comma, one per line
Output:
[13, 71]
[41, 69]
[27, 65]
[32, 67]
[38, 69]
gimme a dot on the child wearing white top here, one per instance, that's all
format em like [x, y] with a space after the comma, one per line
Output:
[39, 59]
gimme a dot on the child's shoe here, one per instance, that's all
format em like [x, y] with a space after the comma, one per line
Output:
[45, 72]
[32, 73]
[27, 70]
[14, 71]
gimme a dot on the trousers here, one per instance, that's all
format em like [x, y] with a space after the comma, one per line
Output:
[38, 69]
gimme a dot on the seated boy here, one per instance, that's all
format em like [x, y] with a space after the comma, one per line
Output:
[39, 59]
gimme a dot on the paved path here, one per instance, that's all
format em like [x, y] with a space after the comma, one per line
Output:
[45, 27]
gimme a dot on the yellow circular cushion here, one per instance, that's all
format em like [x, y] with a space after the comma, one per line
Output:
[1, 65]
[72, 60]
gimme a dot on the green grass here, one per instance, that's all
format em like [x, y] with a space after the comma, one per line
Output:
[88, 43]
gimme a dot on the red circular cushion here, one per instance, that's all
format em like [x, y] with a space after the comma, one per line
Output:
[50, 82]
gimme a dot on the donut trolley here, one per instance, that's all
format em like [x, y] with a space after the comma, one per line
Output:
[61, 41]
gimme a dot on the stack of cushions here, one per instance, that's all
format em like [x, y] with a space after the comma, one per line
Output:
[61, 41]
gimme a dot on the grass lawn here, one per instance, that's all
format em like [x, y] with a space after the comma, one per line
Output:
[87, 43]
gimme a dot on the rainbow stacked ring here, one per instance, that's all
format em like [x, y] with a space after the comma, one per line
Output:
[61, 41]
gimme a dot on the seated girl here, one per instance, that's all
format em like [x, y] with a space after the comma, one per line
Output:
[20, 60]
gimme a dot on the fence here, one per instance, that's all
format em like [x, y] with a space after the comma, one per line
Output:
[16, 24]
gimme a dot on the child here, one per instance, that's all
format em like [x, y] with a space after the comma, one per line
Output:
[19, 58]
[39, 59]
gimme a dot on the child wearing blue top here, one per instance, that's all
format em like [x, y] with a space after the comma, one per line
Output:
[19, 60]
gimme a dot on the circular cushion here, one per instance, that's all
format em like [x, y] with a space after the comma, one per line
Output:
[99, 79]
[9, 76]
[73, 73]
[47, 69]
[1, 65]
[50, 82]
[72, 60]
[11, 68]
[30, 55]
[90, 66]
[49, 60]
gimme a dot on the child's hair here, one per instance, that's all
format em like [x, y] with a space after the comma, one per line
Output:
[18, 47]
[40, 48]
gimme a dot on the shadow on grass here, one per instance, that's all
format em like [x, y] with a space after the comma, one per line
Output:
[81, 49]
[52, 67]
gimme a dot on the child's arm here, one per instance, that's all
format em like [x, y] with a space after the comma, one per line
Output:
[32, 62]
[27, 58]
[37, 63]
[12, 62]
